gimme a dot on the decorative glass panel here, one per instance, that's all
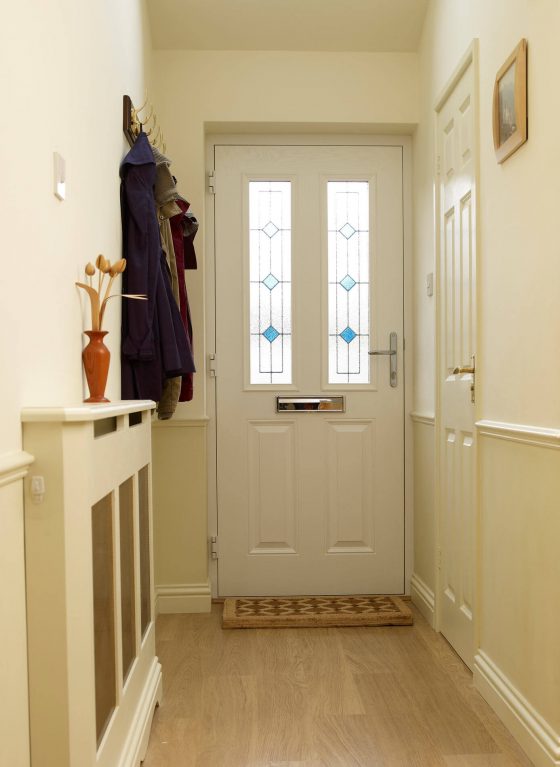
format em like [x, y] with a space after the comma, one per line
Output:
[103, 613]
[348, 277]
[270, 301]
[144, 528]
[128, 598]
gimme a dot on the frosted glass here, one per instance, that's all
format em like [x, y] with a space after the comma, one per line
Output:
[270, 282]
[348, 282]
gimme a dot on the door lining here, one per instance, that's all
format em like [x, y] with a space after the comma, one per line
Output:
[250, 139]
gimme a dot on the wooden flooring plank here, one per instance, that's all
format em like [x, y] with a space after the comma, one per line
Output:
[480, 760]
[348, 697]
[227, 722]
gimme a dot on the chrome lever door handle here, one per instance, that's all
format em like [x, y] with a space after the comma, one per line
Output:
[392, 353]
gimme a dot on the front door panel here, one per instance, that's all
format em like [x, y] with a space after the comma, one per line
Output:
[309, 278]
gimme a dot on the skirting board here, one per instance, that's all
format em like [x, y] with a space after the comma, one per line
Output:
[183, 598]
[423, 597]
[137, 743]
[534, 734]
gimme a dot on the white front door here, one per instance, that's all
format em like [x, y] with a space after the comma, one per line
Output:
[309, 279]
[457, 347]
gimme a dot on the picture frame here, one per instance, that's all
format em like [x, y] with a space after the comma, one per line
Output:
[509, 108]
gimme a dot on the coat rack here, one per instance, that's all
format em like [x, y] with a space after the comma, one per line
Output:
[133, 125]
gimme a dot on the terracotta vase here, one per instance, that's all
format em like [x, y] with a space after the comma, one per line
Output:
[96, 358]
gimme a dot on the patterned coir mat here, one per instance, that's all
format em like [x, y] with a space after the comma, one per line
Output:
[291, 612]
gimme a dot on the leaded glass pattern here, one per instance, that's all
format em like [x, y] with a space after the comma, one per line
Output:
[348, 282]
[270, 296]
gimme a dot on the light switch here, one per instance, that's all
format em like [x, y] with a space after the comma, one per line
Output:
[430, 284]
[59, 176]
[37, 489]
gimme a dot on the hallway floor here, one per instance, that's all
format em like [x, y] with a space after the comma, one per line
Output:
[348, 697]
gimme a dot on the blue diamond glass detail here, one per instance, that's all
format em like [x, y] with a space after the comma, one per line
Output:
[348, 335]
[270, 229]
[271, 334]
[270, 282]
[348, 282]
[347, 230]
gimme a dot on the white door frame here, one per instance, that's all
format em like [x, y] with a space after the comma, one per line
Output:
[279, 139]
[471, 56]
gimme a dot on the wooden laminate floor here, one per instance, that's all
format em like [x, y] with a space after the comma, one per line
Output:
[346, 697]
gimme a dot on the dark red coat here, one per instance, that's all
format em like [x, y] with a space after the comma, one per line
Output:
[186, 259]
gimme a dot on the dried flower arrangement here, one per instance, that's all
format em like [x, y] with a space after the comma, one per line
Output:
[103, 267]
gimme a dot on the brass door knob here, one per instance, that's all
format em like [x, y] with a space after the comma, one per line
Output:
[461, 371]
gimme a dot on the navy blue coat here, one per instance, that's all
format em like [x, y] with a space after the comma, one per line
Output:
[154, 344]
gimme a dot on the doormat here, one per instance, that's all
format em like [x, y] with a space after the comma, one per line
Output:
[293, 612]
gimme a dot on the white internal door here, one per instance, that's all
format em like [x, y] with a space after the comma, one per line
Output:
[309, 279]
[457, 347]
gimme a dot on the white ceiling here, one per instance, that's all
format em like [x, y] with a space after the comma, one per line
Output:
[287, 25]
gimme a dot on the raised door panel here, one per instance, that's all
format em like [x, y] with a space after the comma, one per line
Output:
[272, 488]
[450, 564]
[449, 151]
[464, 118]
[351, 474]
[466, 529]
[449, 263]
[467, 281]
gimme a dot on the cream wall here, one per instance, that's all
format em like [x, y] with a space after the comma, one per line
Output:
[423, 581]
[519, 265]
[73, 61]
[196, 90]
[518, 371]
[180, 524]
[66, 65]
[229, 91]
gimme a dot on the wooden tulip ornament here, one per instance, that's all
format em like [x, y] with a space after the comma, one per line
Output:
[96, 357]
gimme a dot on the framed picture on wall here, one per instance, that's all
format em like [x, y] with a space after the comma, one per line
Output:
[509, 112]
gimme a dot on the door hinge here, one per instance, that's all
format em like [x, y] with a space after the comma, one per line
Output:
[212, 366]
[212, 182]
[214, 547]
[438, 165]
[438, 559]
